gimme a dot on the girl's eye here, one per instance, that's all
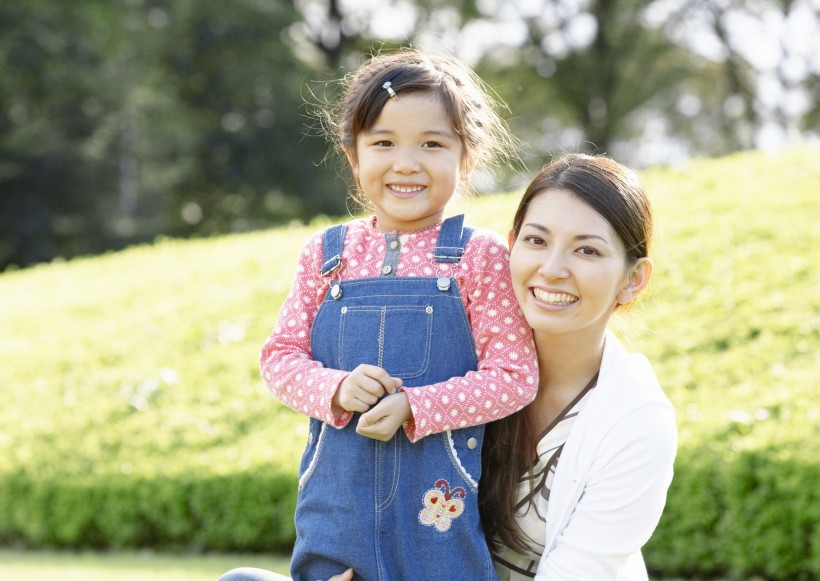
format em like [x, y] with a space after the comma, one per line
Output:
[432, 144]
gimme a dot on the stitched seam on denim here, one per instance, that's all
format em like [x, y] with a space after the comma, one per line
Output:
[376, 492]
[391, 496]
[340, 354]
[451, 451]
[382, 316]
[312, 466]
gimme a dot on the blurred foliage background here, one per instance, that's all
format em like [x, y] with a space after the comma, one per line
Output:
[124, 120]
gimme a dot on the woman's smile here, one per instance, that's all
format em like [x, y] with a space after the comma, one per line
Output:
[554, 297]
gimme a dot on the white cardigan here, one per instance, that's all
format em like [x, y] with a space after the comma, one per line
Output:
[610, 484]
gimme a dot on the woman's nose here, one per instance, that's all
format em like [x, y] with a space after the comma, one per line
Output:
[554, 265]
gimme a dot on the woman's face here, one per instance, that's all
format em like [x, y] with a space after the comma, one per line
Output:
[568, 266]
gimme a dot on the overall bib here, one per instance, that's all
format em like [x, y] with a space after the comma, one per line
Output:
[393, 510]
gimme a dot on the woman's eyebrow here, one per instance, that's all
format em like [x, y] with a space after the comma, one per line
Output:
[546, 230]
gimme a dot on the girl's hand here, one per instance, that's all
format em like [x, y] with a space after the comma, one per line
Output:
[385, 418]
[364, 387]
[346, 576]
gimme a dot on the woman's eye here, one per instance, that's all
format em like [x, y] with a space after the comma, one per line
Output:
[588, 251]
[383, 143]
[534, 240]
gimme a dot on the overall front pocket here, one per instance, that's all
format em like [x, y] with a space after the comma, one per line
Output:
[396, 338]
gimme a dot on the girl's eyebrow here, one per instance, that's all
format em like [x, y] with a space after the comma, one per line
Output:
[579, 237]
[429, 133]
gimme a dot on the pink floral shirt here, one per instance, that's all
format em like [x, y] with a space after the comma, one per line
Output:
[507, 375]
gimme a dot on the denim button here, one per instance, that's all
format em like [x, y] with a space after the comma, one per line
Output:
[387, 269]
[472, 443]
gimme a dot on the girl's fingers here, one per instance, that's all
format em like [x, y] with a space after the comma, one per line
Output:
[381, 381]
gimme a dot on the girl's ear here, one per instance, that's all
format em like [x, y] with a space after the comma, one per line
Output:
[350, 153]
[637, 280]
[467, 165]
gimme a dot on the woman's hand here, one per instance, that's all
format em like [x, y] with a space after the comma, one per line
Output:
[384, 420]
[364, 387]
[346, 576]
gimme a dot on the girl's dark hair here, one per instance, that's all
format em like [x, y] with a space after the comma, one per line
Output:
[473, 112]
[616, 193]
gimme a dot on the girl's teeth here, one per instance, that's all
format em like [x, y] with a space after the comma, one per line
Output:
[554, 298]
[407, 189]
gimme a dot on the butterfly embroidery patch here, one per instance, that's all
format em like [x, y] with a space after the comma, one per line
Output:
[442, 505]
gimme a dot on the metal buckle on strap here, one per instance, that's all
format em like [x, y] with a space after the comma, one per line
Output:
[448, 254]
[331, 265]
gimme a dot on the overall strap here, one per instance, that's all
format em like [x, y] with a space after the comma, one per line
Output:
[452, 239]
[333, 240]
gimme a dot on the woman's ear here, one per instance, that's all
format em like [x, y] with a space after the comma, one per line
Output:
[638, 277]
[511, 239]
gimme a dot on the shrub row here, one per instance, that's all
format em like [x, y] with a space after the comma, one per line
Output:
[756, 514]
[249, 511]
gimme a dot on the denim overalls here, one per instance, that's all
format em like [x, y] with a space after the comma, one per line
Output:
[393, 510]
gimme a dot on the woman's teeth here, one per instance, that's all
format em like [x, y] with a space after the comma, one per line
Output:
[554, 298]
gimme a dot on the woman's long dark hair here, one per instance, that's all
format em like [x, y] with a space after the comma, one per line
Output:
[616, 193]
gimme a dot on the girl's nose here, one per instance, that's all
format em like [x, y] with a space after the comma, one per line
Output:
[405, 163]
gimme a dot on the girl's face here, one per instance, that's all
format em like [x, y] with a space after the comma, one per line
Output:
[409, 163]
[569, 268]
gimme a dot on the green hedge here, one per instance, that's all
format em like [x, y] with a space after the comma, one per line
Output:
[133, 413]
[756, 514]
[250, 511]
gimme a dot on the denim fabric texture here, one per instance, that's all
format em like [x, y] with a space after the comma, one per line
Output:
[393, 510]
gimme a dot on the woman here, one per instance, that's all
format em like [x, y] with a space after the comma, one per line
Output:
[574, 485]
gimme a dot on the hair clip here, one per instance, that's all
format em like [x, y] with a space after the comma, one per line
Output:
[389, 86]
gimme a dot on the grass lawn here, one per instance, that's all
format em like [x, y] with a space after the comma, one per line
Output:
[127, 565]
[139, 566]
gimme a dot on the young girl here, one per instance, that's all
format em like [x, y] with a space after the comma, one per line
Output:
[401, 336]
[574, 484]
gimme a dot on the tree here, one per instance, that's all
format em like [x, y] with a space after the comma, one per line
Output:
[53, 111]
[765, 55]
[132, 118]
